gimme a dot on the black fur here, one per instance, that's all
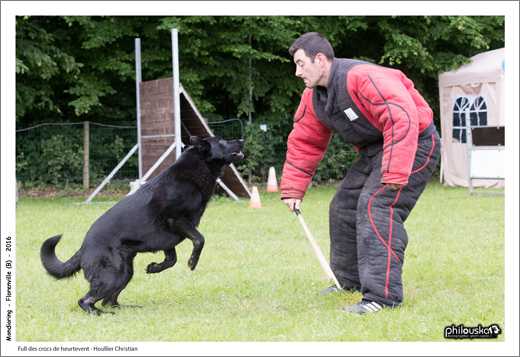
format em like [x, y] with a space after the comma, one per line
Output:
[158, 216]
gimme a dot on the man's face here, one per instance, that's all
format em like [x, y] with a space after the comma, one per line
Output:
[309, 71]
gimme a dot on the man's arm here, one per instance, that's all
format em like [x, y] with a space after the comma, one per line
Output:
[306, 146]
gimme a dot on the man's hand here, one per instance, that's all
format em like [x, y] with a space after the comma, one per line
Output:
[394, 186]
[290, 202]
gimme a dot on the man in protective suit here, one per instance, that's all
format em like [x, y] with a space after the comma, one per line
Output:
[379, 112]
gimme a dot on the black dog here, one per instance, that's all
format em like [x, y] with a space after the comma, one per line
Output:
[158, 216]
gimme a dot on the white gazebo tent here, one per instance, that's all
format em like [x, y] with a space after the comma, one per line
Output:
[479, 87]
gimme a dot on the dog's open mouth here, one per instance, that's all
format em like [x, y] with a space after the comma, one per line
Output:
[237, 155]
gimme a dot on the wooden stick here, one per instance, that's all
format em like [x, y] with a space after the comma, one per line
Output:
[321, 258]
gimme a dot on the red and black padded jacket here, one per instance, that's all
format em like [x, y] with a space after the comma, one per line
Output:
[372, 107]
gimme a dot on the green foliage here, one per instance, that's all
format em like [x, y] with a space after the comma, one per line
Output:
[54, 154]
[38, 61]
[64, 158]
[109, 151]
[262, 150]
[84, 65]
[88, 92]
[69, 66]
[47, 156]
[214, 60]
[338, 158]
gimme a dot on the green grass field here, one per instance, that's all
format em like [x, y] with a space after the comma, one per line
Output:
[258, 279]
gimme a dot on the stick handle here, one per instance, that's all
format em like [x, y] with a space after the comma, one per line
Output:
[321, 258]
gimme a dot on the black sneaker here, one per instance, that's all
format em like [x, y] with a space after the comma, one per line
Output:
[363, 306]
[329, 290]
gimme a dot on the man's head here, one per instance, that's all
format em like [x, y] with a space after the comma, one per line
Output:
[313, 56]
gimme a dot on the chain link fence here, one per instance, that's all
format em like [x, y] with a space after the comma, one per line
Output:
[56, 153]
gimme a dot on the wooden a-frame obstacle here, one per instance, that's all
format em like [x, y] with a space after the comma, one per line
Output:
[162, 129]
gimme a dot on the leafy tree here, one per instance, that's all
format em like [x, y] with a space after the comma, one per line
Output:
[41, 64]
[76, 68]
[69, 66]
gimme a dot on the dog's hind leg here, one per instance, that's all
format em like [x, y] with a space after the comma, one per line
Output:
[97, 291]
[185, 228]
[119, 281]
[113, 300]
[101, 286]
[170, 258]
[87, 303]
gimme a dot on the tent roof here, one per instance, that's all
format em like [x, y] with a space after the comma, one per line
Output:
[485, 67]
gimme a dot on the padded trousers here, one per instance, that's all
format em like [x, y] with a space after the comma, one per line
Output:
[367, 236]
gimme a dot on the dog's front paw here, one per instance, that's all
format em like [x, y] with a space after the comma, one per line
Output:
[152, 268]
[192, 263]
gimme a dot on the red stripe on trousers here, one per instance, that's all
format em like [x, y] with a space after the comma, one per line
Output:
[374, 226]
[390, 242]
[389, 245]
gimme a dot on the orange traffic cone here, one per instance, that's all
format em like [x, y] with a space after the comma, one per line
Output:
[272, 184]
[255, 199]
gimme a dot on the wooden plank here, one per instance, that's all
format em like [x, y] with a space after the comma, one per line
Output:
[147, 88]
[155, 97]
[156, 111]
[153, 149]
[157, 104]
[156, 125]
[157, 86]
[163, 120]
[157, 118]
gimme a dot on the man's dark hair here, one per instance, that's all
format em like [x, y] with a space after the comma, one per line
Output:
[312, 43]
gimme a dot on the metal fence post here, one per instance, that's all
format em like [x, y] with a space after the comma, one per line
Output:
[86, 154]
[138, 80]
[250, 104]
[176, 94]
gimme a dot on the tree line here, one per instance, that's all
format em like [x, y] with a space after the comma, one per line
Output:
[82, 68]
[78, 68]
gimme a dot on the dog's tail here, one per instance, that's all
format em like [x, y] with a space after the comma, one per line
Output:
[53, 265]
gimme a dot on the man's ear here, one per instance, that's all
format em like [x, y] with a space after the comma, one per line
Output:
[321, 58]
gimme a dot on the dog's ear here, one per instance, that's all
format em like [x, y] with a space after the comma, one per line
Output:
[195, 140]
[201, 143]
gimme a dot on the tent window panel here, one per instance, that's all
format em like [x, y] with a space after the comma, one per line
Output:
[456, 135]
[456, 120]
[483, 119]
[478, 112]
[473, 119]
[477, 115]
[480, 103]
[459, 136]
